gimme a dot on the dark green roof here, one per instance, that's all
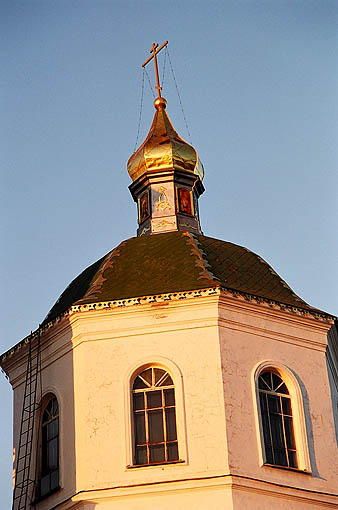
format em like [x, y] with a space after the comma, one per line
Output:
[174, 262]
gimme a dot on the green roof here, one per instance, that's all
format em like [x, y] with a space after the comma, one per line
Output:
[174, 262]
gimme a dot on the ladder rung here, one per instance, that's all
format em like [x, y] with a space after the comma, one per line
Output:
[29, 406]
[24, 483]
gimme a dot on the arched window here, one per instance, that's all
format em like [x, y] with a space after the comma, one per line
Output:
[155, 436]
[277, 421]
[49, 463]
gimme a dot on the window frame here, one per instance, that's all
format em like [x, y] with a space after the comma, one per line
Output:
[175, 374]
[45, 400]
[298, 416]
[147, 408]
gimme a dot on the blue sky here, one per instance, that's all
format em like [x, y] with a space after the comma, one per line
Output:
[258, 82]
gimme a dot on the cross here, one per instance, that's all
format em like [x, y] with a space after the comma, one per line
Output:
[154, 52]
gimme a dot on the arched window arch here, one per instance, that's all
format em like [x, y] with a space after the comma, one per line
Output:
[277, 420]
[154, 417]
[49, 449]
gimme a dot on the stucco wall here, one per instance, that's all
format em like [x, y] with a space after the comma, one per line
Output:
[251, 334]
[211, 346]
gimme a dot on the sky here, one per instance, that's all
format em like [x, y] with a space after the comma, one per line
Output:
[258, 83]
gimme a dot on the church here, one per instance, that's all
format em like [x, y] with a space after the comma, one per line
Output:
[176, 371]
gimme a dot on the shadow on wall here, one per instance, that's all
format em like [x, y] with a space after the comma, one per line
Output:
[308, 424]
[332, 369]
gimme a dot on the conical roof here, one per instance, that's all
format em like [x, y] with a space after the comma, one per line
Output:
[175, 262]
[163, 149]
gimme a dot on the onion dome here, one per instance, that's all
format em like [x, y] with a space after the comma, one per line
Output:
[164, 149]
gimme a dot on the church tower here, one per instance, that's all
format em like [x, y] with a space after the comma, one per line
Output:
[176, 371]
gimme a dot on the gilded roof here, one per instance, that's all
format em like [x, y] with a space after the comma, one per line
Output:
[163, 149]
[174, 262]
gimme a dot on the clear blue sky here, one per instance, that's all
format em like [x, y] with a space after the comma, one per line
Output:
[258, 81]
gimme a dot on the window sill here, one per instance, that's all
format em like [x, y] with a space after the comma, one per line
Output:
[155, 464]
[286, 468]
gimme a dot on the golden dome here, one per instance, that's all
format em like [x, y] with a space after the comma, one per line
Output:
[163, 149]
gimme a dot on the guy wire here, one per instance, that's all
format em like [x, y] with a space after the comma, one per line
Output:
[151, 88]
[165, 59]
[141, 105]
[179, 97]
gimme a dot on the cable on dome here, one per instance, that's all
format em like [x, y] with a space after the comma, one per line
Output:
[165, 59]
[179, 97]
[141, 106]
[151, 88]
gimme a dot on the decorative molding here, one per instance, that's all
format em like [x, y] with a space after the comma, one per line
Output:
[173, 296]
[144, 230]
[185, 224]
[104, 305]
[311, 313]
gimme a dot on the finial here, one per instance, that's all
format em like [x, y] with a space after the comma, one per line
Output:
[160, 103]
[154, 52]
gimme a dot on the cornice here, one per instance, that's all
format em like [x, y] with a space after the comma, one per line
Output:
[183, 485]
[106, 305]
[162, 298]
[278, 305]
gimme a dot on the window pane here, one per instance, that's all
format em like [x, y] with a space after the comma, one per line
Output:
[276, 381]
[45, 417]
[45, 485]
[264, 382]
[157, 453]
[169, 397]
[140, 431]
[53, 454]
[158, 374]
[283, 389]
[155, 422]
[52, 428]
[265, 423]
[147, 376]
[44, 457]
[172, 451]
[139, 384]
[277, 431]
[268, 454]
[263, 402]
[141, 455]
[138, 399]
[274, 404]
[280, 457]
[292, 459]
[286, 406]
[154, 399]
[289, 432]
[166, 381]
[55, 409]
[54, 480]
[170, 424]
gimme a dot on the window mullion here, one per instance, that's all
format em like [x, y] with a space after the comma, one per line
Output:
[146, 425]
[164, 426]
[270, 431]
[284, 435]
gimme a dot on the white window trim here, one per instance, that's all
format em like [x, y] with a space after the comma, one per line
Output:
[175, 373]
[299, 424]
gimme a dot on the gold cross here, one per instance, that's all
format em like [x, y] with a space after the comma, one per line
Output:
[154, 52]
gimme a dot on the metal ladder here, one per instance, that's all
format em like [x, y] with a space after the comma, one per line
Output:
[22, 492]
